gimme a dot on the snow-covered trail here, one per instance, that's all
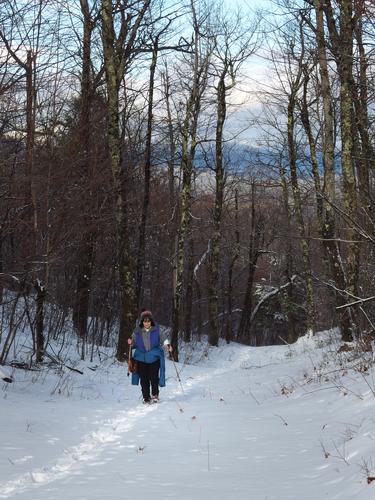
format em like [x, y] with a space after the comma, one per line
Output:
[113, 431]
[229, 433]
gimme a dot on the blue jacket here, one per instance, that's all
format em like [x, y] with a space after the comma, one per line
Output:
[156, 353]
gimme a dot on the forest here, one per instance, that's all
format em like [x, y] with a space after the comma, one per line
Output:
[212, 163]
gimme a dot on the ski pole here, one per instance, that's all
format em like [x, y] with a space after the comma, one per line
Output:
[175, 367]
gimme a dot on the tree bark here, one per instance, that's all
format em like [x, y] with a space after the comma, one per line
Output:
[310, 308]
[188, 148]
[173, 205]
[327, 222]
[256, 233]
[213, 269]
[289, 264]
[188, 305]
[184, 223]
[30, 144]
[86, 246]
[342, 48]
[235, 253]
[116, 57]
[147, 177]
[364, 150]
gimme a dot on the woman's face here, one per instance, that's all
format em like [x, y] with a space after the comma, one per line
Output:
[147, 322]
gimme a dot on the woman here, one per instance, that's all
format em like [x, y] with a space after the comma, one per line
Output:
[149, 354]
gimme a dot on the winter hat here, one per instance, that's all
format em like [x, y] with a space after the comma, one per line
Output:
[146, 314]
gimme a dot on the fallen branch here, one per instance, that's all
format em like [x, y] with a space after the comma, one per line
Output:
[59, 362]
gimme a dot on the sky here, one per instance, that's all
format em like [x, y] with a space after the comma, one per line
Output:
[238, 422]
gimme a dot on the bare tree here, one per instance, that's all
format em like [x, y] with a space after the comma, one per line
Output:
[157, 44]
[119, 50]
[295, 79]
[256, 242]
[189, 129]
[235, 42]
[23, 48]
[326, 191]
[86, 248]
[234, 256]
[341, 40]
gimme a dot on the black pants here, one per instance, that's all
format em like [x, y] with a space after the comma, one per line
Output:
[149, 375]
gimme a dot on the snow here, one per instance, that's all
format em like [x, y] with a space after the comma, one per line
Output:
[275, 423]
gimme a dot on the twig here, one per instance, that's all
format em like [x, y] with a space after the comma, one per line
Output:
[359, 301]
[255, 399]
[285, 422]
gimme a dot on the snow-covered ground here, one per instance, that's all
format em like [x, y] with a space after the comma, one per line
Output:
[242, 423]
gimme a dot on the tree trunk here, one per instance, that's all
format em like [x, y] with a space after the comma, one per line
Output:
[233, 259]
[125, 264]
[147, 178]
[213, 269]
[289, 265]
[173, 206]
[349, 182]
[360, 95]
[328, 223]
[342, 48]
[188, 306]
[310, 309]
[86, 247]
[83, 285]
[188, 148]
[184, 223]
[256, 231]
[30, 143]
[39, 320]
[313, 156]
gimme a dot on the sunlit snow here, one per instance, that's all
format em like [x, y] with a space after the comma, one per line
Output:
[242, 423]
